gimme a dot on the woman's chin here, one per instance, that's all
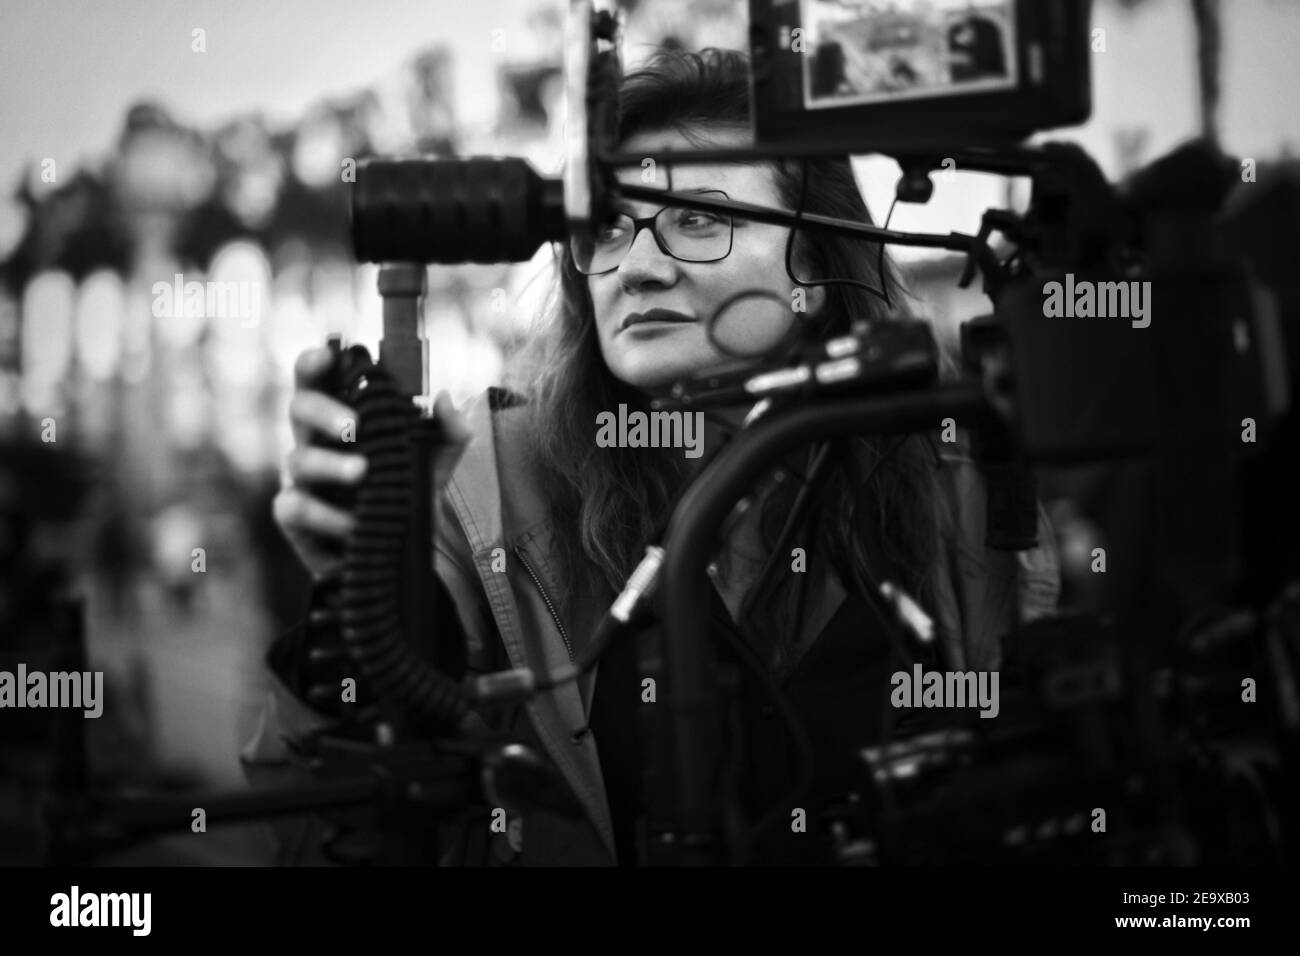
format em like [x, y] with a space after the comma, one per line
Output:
[652, 379]
[643, 369]
[659, 376]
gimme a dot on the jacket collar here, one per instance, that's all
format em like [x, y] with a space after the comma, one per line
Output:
[490, 521]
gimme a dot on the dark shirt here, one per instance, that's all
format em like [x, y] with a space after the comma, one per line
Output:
[613, 720]
[838, 690]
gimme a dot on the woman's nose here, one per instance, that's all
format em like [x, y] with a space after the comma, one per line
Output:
[645, 262]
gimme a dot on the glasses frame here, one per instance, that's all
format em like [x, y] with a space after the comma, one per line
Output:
[649, 222]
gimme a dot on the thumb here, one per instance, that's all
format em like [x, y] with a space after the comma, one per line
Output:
[455, 428]
[455, 436]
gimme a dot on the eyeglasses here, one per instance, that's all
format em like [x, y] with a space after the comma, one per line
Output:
[691, 235]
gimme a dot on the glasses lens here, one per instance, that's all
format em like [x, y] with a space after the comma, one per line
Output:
[605, 247]
[694, 234]
[691, 235]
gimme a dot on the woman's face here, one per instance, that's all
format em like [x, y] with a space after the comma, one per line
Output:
[651, 355]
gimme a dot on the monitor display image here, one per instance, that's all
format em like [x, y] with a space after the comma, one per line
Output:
[876, 52]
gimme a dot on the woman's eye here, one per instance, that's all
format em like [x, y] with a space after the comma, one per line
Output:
[693, 219]
[610, 232]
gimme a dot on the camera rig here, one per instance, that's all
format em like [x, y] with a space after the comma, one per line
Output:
[1135, 705]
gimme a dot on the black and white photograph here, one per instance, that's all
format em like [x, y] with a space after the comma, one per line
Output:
[735, 435]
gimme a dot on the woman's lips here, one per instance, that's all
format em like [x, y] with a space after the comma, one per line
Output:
[654, 315]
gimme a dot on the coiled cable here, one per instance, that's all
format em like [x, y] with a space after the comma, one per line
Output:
[370, 619]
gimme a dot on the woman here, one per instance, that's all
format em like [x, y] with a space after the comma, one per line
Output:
[539, 524]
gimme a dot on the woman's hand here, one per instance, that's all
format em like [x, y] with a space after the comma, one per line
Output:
[320, 463]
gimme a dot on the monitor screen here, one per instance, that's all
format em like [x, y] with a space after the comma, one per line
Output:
[881, 51]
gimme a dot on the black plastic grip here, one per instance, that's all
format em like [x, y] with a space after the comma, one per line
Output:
[476, 209]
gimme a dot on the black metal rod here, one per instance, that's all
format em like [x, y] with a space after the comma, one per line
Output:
[785, 217]
[815, 222]
[139, 815]
[991, 158]
[690, 695]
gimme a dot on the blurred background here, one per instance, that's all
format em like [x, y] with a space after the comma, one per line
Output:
[148, 140]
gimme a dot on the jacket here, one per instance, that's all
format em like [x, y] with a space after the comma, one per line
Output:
[494, 554]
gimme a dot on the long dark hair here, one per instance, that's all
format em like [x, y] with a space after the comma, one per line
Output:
[878, 509]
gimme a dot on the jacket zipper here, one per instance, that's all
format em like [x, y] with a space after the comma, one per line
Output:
[564, 635]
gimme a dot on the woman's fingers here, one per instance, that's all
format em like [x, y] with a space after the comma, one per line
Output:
[325, 456]
[296, 510]
[310, 369]
[310, 464]
[317, 414]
